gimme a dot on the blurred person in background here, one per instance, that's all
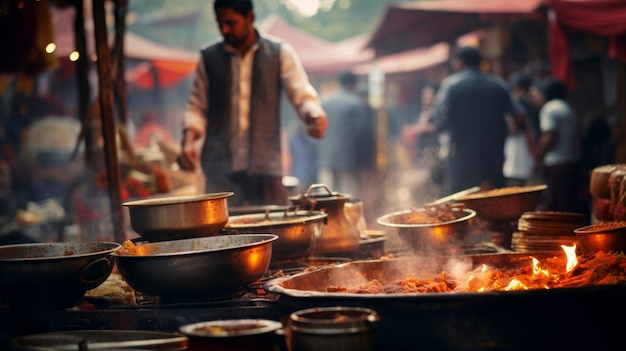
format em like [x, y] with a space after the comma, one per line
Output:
[303, 150]
[472, 106]
[348, 147]
[559, 151]
[422, 142]
[520, 144]
[233, 108]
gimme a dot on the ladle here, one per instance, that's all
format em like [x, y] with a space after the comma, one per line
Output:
[435, 204]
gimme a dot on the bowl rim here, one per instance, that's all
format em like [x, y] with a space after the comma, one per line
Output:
[264, 239]
[315, 216]
[267, 326]
[173, 200]
[383, 220]
[113, 247]
[589, 229]
[480, 195]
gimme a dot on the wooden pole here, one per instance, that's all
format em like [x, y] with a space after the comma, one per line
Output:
[107, 115]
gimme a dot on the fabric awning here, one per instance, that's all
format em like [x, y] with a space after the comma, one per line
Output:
[602, 17]
[410, 25]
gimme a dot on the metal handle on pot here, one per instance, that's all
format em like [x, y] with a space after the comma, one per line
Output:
[84, 273]
[319, 185]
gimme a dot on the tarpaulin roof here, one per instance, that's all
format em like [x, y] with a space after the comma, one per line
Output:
[410, 25]
[408, 61]
[317, 55]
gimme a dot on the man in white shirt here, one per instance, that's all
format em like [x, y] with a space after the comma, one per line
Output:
[234, 106]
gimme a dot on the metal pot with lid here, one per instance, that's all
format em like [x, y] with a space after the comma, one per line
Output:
[339, 235]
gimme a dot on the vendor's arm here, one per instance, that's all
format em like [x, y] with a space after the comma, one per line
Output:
[301, 93]
[194, 120]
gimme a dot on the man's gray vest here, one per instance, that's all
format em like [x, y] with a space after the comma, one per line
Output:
[264, 144]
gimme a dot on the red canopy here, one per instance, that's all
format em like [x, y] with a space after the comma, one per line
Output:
[602, 17]
[410, 25]
[172, 65]
[317, 55]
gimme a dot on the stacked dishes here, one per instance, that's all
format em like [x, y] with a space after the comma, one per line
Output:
[546, 231]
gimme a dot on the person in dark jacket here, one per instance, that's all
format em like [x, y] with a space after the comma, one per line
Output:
[472, 106]
[347, 148]
[234, 108]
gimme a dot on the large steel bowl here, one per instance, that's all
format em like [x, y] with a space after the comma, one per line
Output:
[298, 231]
[52, 275]
[188, 269]
[607, 237]
[435, 237]
[503, 204]
[179, 217]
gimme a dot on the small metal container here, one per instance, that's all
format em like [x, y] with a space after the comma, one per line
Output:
[437, 237]
[339, 235]
[332, 328]
[232, 335]
[607, 237]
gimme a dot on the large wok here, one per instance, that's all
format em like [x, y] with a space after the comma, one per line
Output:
[52, 275]
[196, 268]
[563, 318]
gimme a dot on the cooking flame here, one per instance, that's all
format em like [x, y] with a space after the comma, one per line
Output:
[515, 284]
[538, 270]
[572, 260]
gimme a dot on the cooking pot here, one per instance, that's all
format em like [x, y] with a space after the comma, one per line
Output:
[606, 237]
[338, 235]
[52, 275]
[298, 231]
[101, 340]
[337, 328]
[179, 217]
[232, 335]
[434, 237]
[195, 268]
[503, 204]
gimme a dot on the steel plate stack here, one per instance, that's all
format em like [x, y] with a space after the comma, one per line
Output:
[546, 231]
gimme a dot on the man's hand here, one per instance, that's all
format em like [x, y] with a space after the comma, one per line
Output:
[188, 158]
[316, 126]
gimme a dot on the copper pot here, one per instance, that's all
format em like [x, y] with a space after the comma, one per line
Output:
[339, 235]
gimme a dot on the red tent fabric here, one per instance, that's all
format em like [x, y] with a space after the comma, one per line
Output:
[602, 17]
[317, 55]
[408, 61]
[172, 65]
[410, 25]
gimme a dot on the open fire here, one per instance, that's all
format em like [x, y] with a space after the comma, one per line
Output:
[548, 273]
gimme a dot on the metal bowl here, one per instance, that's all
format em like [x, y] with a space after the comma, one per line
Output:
[298, 231]
[106, 340]
[607, 237]
[503, 204]
[232, 334]
[179, 217]
[430, 237]
[52, 275]
[196, 268]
